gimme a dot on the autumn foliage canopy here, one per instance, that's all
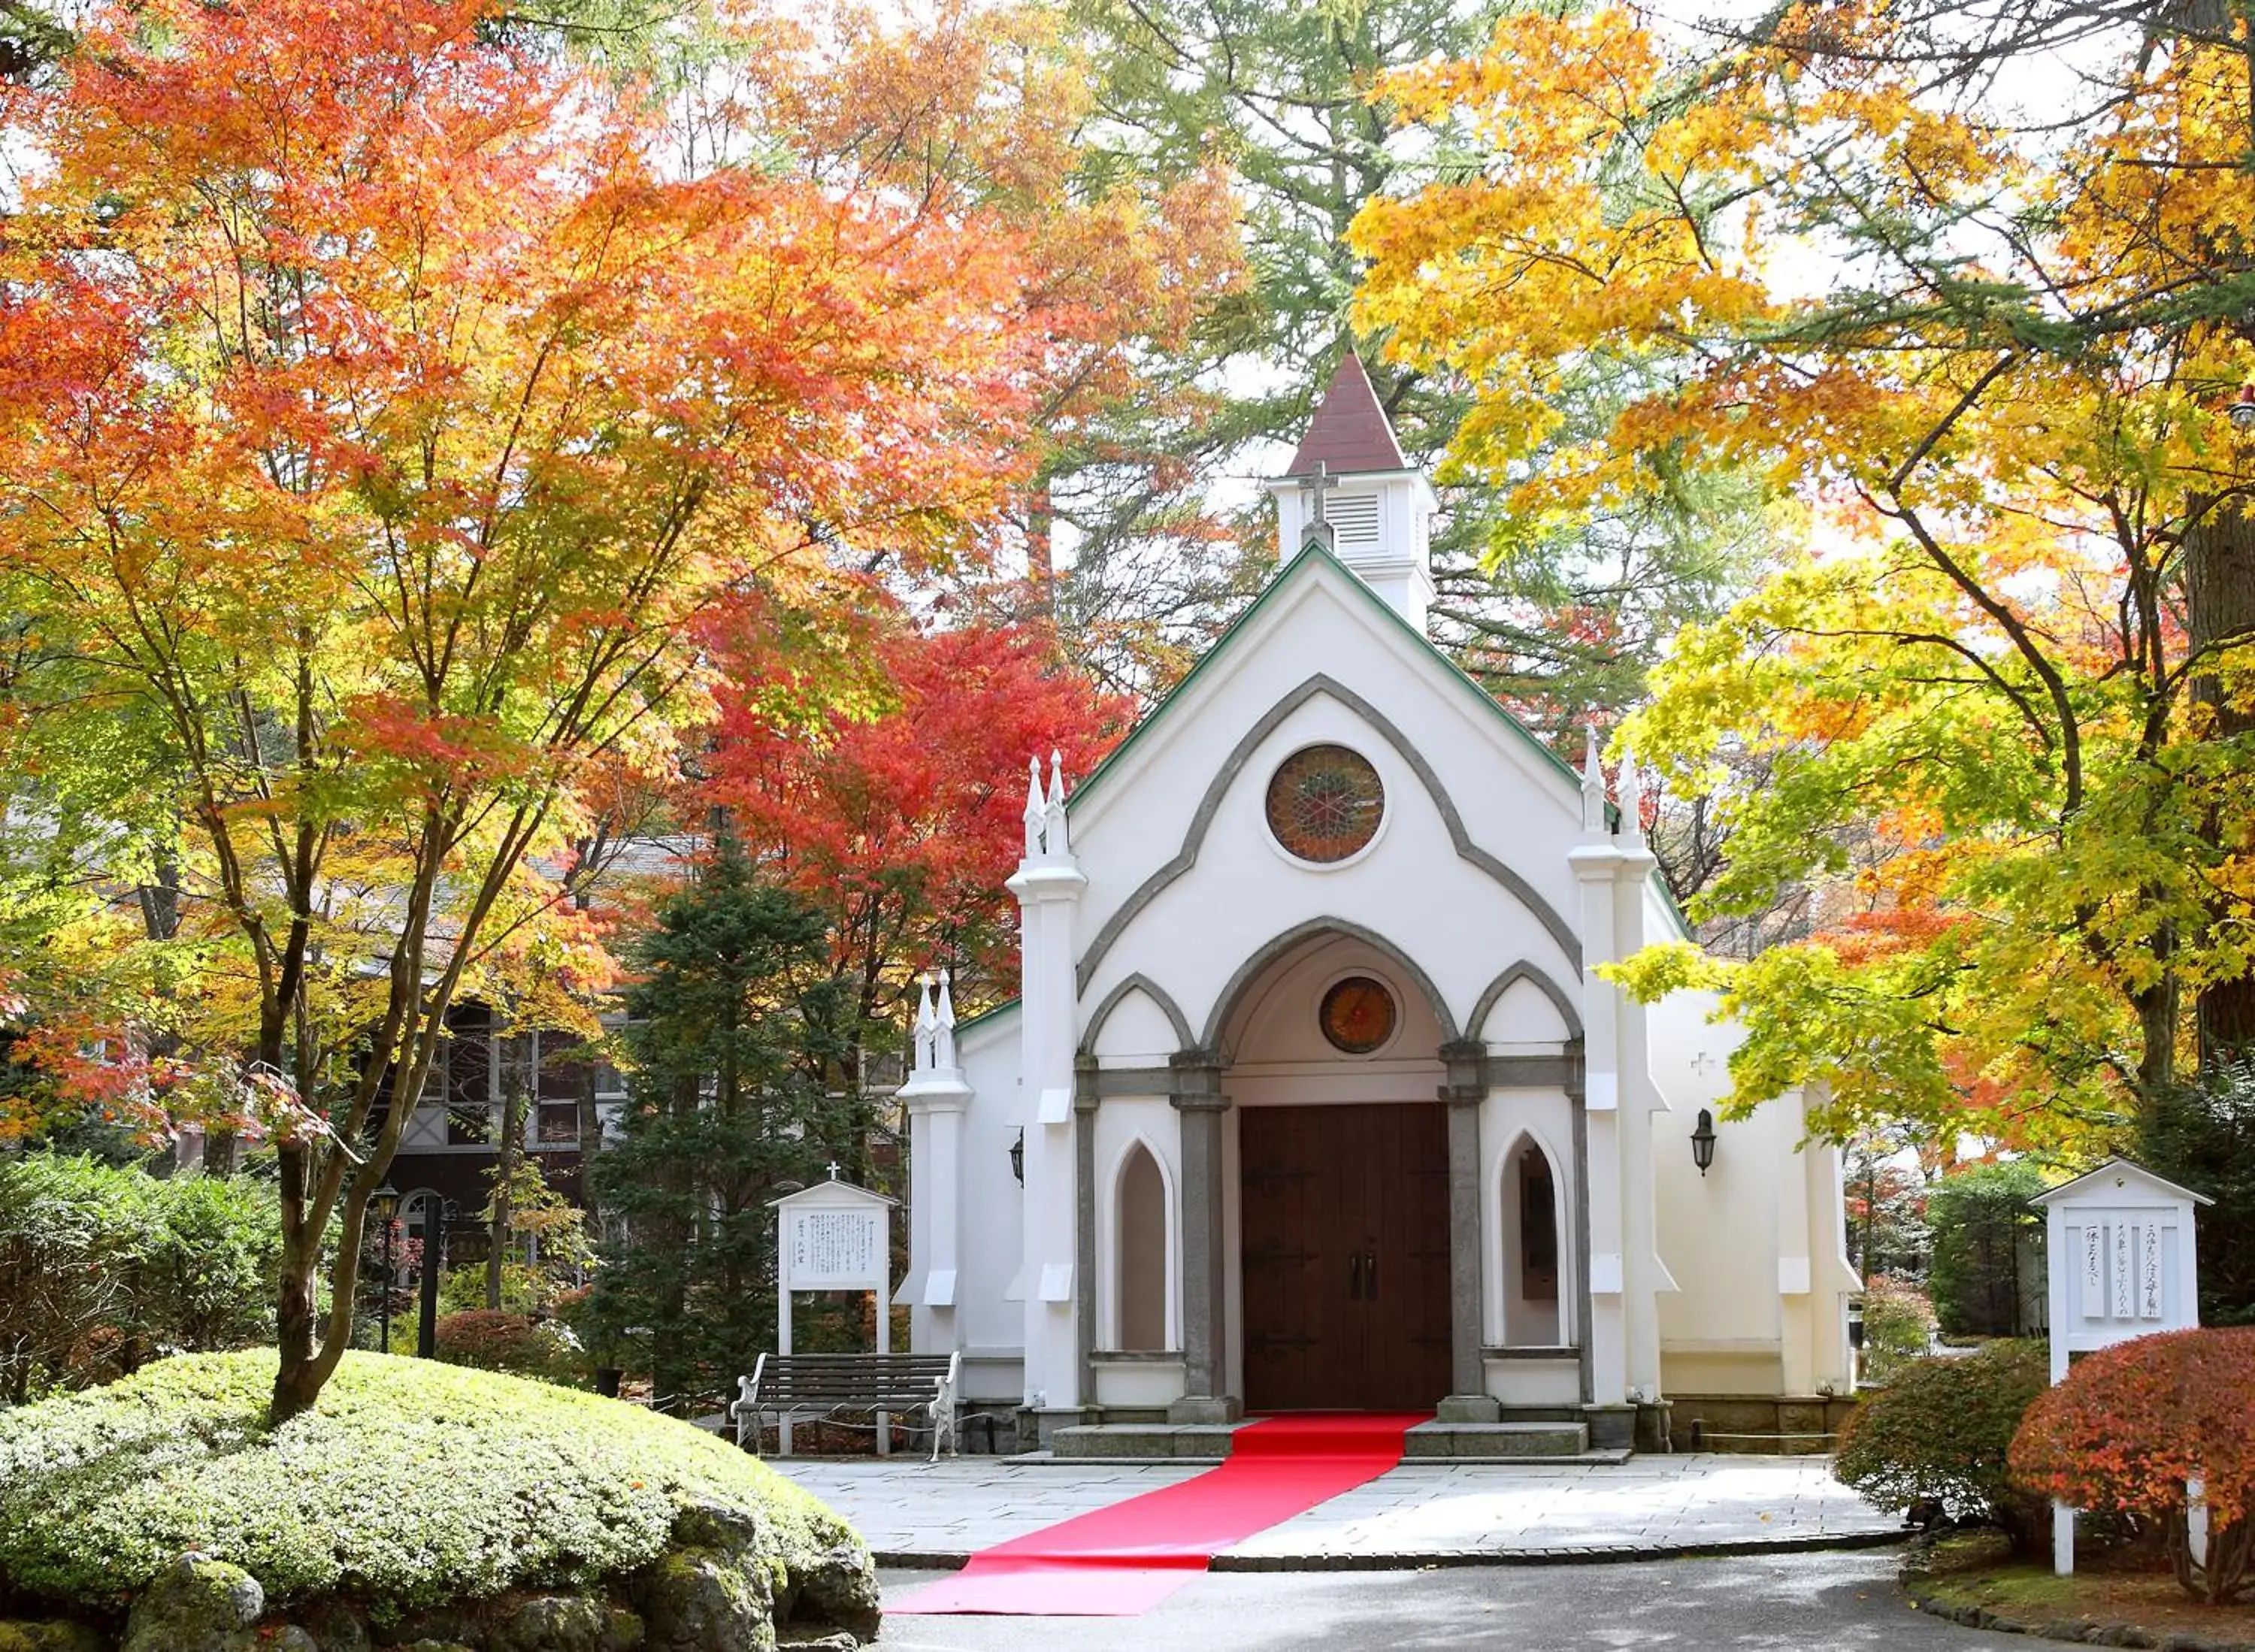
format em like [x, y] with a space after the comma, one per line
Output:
[387, 406]
[1995, 708]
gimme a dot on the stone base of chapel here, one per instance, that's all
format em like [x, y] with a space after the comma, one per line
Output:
[1761, 1425]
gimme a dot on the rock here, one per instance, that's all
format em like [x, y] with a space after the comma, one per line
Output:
[335, 1627]
[836, 1641]
[725, 1530]
[702, 1601]
[440, 1626]
[51, 1635]
[196, 1605]
[564, 1623]
[289, 1638]
[839, 1588]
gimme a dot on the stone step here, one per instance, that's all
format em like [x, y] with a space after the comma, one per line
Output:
[1488, 1441]
[1144, 1441]
[1517, 1442]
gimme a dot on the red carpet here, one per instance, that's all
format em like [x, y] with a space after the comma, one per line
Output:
[1117, 1562]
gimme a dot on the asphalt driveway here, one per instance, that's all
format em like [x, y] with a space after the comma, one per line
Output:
[1791, 1603]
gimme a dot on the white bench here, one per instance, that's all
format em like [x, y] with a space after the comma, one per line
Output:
[820, 1385]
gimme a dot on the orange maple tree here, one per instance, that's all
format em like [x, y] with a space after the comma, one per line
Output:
[1998, 711]
[378, 412]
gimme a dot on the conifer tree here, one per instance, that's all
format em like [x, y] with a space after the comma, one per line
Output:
[733, 1017]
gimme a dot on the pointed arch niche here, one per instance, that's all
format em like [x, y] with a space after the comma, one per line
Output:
[1143, 1243]
[1535, 1261]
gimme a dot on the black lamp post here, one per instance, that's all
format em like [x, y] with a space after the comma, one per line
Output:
[2242, 412]
[434, 1247]
[1018, 1156]
[385, 1203]
[1703, 1142]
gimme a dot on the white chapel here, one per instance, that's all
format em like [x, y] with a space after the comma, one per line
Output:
[1313, 1097]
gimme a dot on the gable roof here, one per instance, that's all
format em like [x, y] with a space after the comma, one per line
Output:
[1350, 432]
[1312, 555]
[2123, 1168]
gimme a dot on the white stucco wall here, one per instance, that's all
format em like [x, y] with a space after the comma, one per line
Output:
[990, 1318]
[1757, 1245]
[1464, 927]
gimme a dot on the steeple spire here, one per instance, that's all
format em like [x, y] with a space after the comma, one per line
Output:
[1349, 491]
[1350, 432]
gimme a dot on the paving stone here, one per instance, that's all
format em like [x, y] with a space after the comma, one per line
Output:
[1652, 1504]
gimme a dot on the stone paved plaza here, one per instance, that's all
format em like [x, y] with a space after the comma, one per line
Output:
[911, 1512]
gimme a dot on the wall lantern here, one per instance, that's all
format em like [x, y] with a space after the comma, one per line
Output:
[1018, 1156]
[1703, 1142]
[2242, 412]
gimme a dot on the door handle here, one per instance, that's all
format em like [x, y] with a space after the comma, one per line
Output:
[1354, 1277]
[1370, 1272]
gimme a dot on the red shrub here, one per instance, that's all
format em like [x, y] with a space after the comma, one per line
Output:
[497, 1341]
[2132, 1424]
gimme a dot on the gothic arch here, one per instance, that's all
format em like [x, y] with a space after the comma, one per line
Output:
[1142, 1249]
[1186, 857]
[1529, 1246]
[1150, 990]
[1279, 946]
[1524, 970]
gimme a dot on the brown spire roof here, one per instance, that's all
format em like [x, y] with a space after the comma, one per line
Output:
[1350, 432]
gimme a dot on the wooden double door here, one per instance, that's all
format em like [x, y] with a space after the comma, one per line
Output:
[1344, 1225]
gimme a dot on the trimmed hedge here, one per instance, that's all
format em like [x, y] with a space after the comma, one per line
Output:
[409, 1484]
[105, 1266]
[1941, 1433]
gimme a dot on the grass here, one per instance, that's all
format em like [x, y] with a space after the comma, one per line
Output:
[1975, 1570]
[408, 1483]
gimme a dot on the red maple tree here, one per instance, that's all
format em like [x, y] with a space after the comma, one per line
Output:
[902, 825]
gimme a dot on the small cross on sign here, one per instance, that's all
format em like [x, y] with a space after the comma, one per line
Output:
[1703, 1063]
[833, 1170]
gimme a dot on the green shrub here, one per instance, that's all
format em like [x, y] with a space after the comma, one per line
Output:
[1898, 1326]
[517, 1343]
[1941, 1433]
[104, 1267]
[409, 1483]
[1982, 1222]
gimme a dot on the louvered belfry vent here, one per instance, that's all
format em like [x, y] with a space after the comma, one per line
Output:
[1354, 519]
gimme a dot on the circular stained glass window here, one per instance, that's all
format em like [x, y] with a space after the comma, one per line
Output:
[1358, 1015]
[1324, 803]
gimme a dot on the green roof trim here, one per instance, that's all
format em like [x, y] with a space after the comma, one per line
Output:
[985, 1016]
[1668, 899]
[1314, 552]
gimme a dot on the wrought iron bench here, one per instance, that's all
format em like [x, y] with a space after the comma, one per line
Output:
[820, 1385]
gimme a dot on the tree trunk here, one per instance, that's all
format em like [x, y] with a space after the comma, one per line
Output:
[299, 1380]
[2220, 611]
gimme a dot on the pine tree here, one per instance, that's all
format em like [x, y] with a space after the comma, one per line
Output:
[733, 1017]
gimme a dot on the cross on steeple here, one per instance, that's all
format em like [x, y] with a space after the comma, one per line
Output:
[1320, 483]
[833, 1170]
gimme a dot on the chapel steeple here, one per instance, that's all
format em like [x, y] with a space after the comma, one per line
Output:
[1350, 488]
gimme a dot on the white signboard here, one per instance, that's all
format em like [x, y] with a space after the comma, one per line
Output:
[833, 1236]
[2119, 1250]
[834, 1250]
